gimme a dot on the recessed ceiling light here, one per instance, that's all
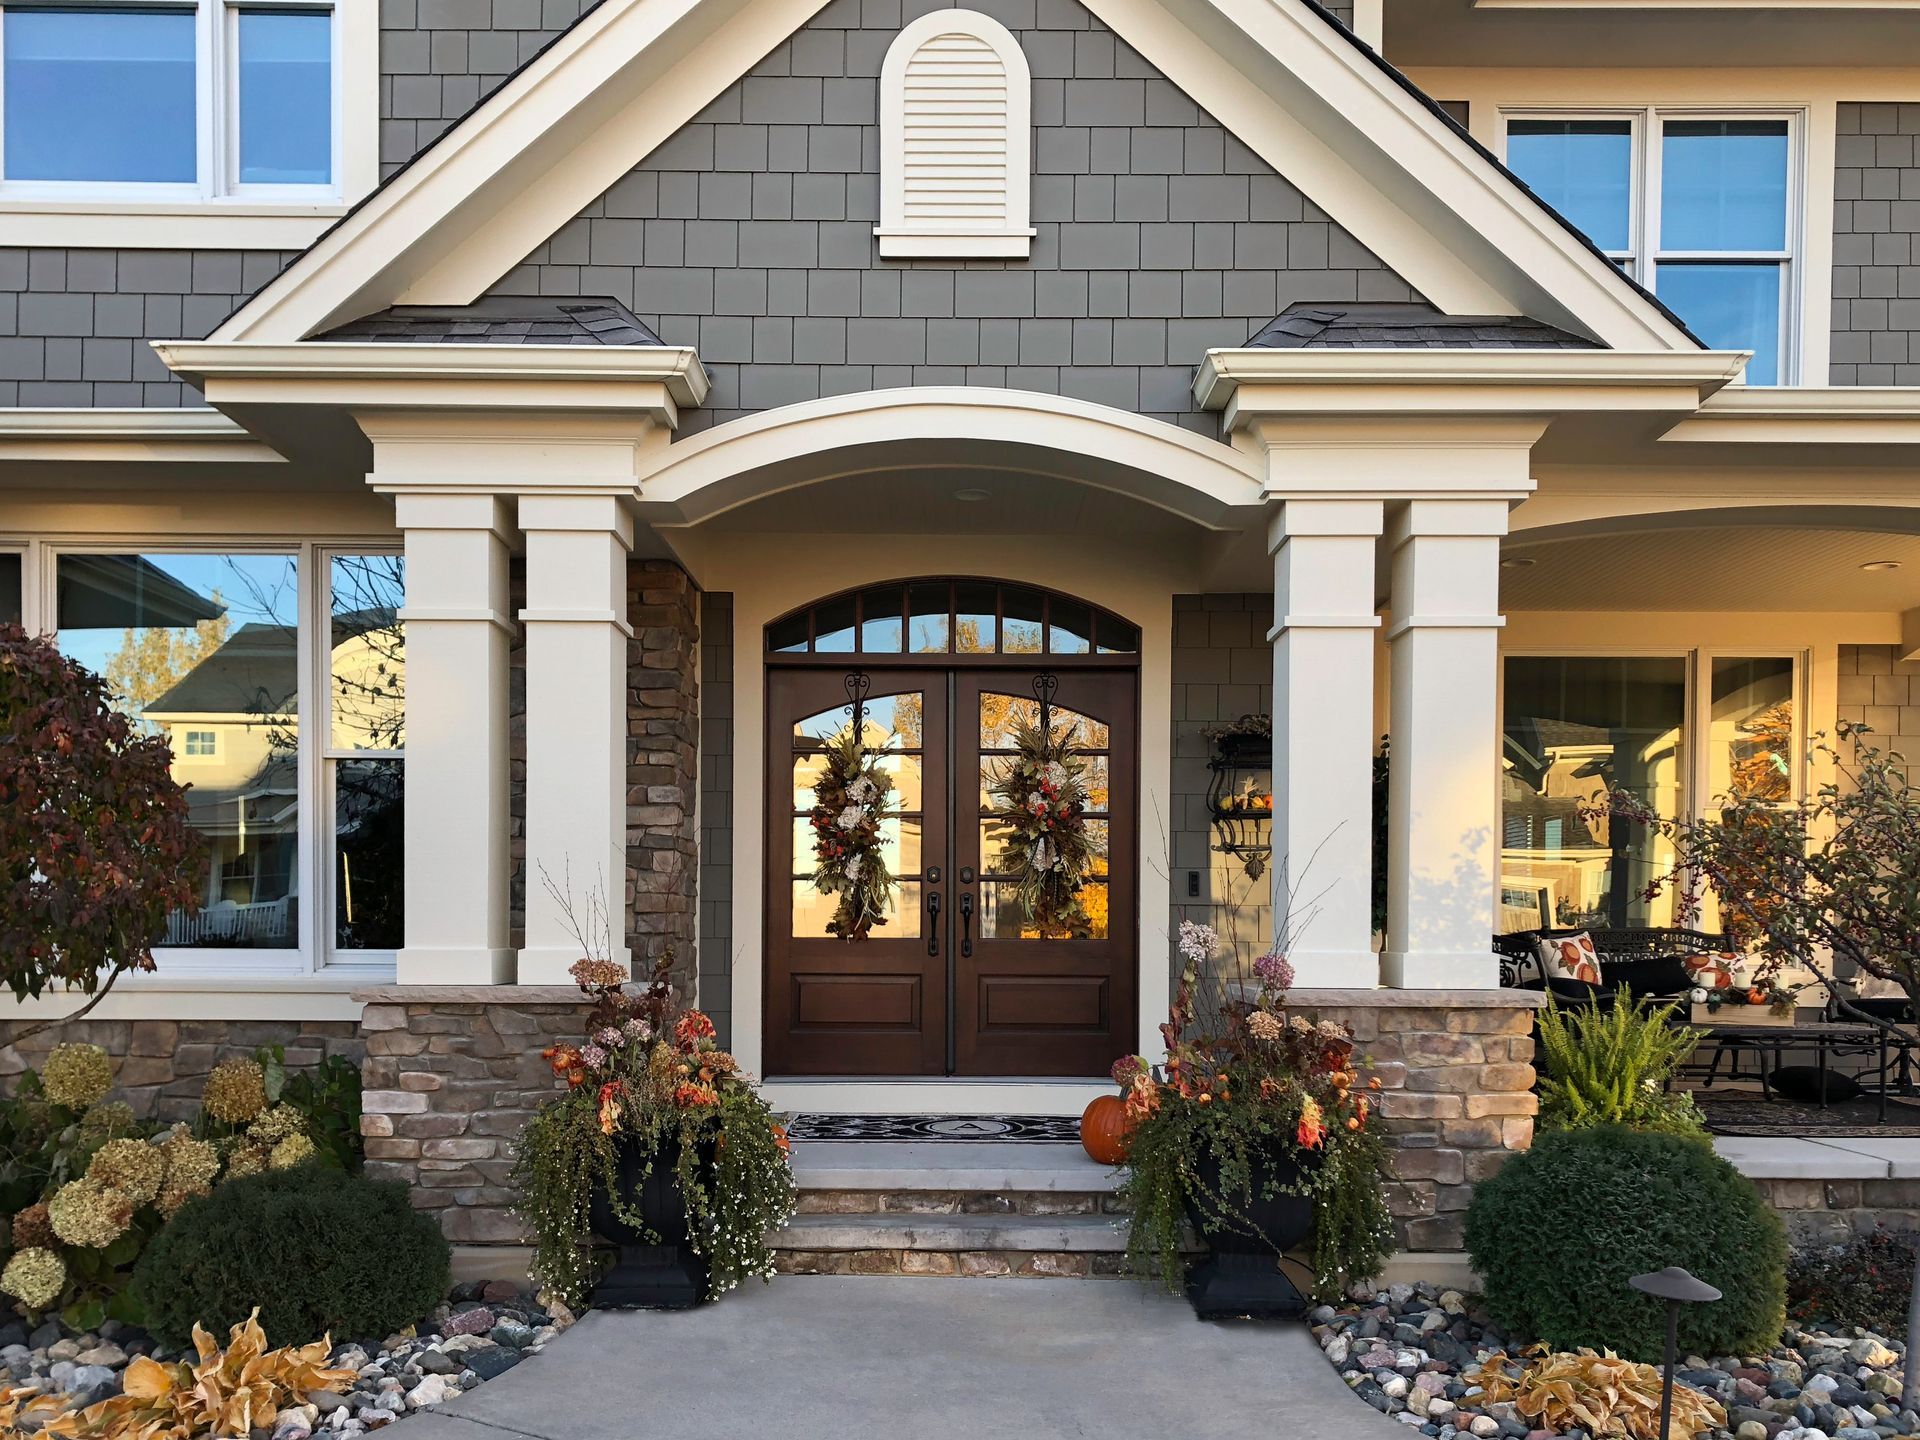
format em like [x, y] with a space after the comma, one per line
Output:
[1881, 565]
[1518, 562]
[972, 497]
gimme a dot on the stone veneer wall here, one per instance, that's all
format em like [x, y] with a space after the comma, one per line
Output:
[160, 1066]
[1829, 1211]
[663, 778]
[1879, 689]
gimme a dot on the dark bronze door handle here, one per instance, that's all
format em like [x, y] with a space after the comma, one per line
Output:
[933, 922]
[966, 926]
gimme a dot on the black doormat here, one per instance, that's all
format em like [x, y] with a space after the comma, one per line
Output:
[1052, 1129]
[1746, 1113]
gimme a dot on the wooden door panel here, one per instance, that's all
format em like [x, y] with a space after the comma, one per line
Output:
[876, 1006]
[1026, 1004]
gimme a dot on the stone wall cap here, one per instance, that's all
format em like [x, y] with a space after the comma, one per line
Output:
[1389, 999]
[471, 995]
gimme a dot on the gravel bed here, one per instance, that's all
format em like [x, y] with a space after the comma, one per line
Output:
[1402, 1350]
[484, 1330]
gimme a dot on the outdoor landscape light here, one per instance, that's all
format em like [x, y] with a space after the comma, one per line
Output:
[1677, 1288]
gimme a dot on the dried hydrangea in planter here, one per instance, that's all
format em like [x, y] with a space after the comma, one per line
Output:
[659, 1145]
[1256, 1132]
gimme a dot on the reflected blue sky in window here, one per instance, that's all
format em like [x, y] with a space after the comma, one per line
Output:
[1723, 185]
[104, 95]
[1731, 307]
[1583, 168]
[286, 97]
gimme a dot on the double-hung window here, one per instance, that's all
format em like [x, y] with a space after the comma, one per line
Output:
[184, 100]
[1698, 207]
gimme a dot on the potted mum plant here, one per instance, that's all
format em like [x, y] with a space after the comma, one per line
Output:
[1257, 1132]
[659, 1145]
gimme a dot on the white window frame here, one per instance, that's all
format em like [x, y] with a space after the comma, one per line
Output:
[216, 210]
[1008, 238]
[188, 753]
[313, 955]
[1643, 262]
[328, 759]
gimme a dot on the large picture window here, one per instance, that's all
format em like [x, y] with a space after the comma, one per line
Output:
[365, 748]
[204, 649]
[196, 99]
[1696, 207]
[1576, 728]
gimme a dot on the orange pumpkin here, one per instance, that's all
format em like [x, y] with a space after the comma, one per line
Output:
[780, 1138]
[1104, 1129]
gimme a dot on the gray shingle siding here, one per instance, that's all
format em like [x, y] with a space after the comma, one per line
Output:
[74, 324]
[1342, 13]
[1876, 246]
[749, 234]
[438, 58]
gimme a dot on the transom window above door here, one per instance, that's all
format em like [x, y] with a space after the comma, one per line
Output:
[1700, 208]
[952, 617]
[190, 101]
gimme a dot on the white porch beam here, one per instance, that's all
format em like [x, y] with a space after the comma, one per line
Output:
[1443, 833]
[1323, 638]
[458, 636]
[577, 634]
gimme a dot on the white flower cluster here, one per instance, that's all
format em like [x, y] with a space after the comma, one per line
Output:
[852, 817]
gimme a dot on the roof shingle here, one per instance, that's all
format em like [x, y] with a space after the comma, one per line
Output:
[502, 320]
[1403, 325]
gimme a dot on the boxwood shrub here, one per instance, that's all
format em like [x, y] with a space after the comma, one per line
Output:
[319, 1252]
[1558, 1231]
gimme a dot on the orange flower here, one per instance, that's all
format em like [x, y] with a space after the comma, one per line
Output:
[693, 1097]
[690, 1029]
[610, 1094]
[1205, 1099]
[1312, 1124]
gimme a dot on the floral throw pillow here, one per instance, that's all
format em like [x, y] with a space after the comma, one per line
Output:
[1719, 970]
[1569, 957]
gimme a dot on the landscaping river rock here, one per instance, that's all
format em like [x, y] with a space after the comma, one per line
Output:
[484, 1330]
[1403, 1350]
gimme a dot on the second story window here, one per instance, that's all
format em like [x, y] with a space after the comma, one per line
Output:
[197, 101]
[1700, 208]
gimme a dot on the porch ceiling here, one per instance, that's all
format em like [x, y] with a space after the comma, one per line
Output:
[1714, 568]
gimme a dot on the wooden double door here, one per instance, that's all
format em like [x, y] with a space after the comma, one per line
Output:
[957, 981]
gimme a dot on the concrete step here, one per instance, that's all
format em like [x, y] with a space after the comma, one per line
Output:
[969, 1167]
[1083, 1234]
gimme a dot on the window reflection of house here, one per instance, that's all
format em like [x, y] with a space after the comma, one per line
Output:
[232, 723]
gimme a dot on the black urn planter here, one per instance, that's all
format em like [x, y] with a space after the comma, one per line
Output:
[658, 1269]
[1240, 1274]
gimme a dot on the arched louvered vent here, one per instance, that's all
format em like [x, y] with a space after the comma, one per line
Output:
[955, 101]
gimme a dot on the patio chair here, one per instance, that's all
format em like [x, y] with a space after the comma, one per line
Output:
[1633, 961]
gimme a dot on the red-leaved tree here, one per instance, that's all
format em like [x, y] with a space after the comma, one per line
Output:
[95, 848]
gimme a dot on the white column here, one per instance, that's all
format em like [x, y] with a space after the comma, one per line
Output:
[1323, 638]
[576, 725]
[459, 632]
[1443, 789]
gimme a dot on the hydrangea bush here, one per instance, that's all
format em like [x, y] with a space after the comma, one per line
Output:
[85, 1187]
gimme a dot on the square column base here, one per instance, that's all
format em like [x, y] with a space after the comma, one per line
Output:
[548, 964]
[1335, 969]
[453, 965]
[1440, 970]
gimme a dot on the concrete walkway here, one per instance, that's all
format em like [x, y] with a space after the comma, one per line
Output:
[843, 1358]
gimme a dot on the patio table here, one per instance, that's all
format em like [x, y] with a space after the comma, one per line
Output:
[1828, 1039]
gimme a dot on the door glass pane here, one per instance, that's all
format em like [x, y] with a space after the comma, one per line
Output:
[1099, 782]
[1583, 169]
[908, 775]
[833, 624]
[812, 910]
[1117, 637]
[9, 589]
[903, 851]
[787, 636]
[893, 722]
[368, 669]
[1002, 918]
[1001, 716]
[1022, 610]
[975, 623]
[1574, 729]
[1098, 832]
[928, 623]
[286, 97]
[202, 649]
[1723, 185]
[1751, 749]
[96, 94]
[1087, 733]
[807, 770]
[880, 621]
[1731, 306]
[369, 874]
[993, 769]
[1070, 628]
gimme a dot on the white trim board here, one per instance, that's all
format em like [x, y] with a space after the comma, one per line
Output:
[915, 1096]
[1291, 86]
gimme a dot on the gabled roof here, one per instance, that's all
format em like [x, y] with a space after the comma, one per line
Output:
[502, 320]
[1289, 81]
[1393, 325]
